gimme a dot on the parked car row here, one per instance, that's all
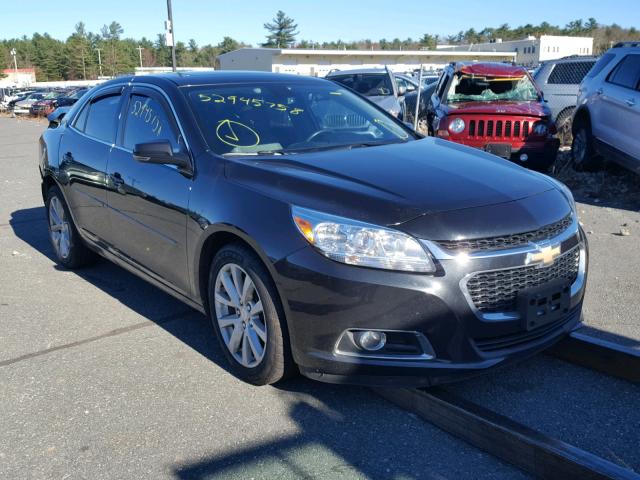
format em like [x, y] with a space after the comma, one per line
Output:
[521, 115]
[39, 102]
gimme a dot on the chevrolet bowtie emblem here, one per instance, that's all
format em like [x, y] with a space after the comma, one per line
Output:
[544, 256]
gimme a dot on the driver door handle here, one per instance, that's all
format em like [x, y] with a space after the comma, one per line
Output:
[630, 101]
[599, 91]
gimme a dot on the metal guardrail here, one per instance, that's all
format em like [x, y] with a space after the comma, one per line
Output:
[528, 449]
[601, 355]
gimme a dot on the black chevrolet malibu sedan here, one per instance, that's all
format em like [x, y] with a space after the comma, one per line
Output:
[318, 233]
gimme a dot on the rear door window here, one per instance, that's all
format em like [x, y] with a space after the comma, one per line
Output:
[81, 119]
[102, 117]
[600, 64]
[569, 73]
[627, 72]
[367, 84]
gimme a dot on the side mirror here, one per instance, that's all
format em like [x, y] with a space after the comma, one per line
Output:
[160, 152]
[402, 90]
[55, 117]
[411, 87]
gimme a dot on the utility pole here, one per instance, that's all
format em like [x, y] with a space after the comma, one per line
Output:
[140, 54]
[170, 34]
[15, 64]
[99, 61]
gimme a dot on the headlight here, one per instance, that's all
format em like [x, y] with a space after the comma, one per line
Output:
[567, 194]
[357, 243]
[456, 125]
[540, 129]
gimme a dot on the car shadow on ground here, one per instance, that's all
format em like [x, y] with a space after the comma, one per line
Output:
[338, 431]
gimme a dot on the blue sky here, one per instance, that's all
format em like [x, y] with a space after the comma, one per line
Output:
[207, 21]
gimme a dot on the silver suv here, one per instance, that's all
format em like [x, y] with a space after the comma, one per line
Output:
[559, 81]
[607, 115]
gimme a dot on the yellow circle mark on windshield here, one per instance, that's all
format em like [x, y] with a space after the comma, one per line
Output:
[236, 134]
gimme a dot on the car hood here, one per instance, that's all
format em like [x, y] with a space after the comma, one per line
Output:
[388, 185]
[535, 109]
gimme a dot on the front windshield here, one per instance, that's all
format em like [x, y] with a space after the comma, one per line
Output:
[287, 118]
[473, 88]
[367, 84]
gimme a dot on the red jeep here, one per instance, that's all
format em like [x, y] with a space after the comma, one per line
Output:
[496, 107]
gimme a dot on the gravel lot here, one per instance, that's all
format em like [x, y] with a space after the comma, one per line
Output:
[105, 376]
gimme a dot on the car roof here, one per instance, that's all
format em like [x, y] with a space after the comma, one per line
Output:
[357, 71]
[572, 59]
[494, 69]
[188, 78]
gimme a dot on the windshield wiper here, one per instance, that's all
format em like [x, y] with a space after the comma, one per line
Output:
[294, 151]
[375, 144]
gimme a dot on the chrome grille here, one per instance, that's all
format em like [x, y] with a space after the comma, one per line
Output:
[508, 241]
[497, 291]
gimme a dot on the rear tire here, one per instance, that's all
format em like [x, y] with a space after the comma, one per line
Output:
[247, 317]
[68, 247]
[564, 124]
[582, 151]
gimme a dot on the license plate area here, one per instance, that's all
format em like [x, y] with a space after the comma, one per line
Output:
[500, 149]
[543, 305]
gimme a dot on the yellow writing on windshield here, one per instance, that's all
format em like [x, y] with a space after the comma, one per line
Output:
[250, 102]
[236, 134]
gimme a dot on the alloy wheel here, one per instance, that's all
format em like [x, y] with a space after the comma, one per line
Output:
[59, 228]
[239, 315]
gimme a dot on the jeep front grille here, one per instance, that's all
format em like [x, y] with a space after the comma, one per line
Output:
[497, 290]
[500, 128]
[508, 241]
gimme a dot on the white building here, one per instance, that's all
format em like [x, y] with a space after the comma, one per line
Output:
[318, 63]
[531, 50]
[22, 77]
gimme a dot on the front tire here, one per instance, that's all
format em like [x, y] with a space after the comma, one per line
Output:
[582, 151]
[68, 247]
[248, 318]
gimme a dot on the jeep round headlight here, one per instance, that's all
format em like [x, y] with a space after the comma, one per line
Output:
[363, 244]
[540, 129]
[456, 125]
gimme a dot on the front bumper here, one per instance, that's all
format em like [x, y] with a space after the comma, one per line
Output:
[323, 299]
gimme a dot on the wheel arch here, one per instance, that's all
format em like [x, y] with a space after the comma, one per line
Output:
[580, 117]
[216, 239]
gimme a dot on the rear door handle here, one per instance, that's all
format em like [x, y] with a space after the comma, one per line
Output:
[67, 157]
[630, 101]
[599, 91]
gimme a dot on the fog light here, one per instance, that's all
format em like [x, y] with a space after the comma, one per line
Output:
[524, 157]
[370, 340]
